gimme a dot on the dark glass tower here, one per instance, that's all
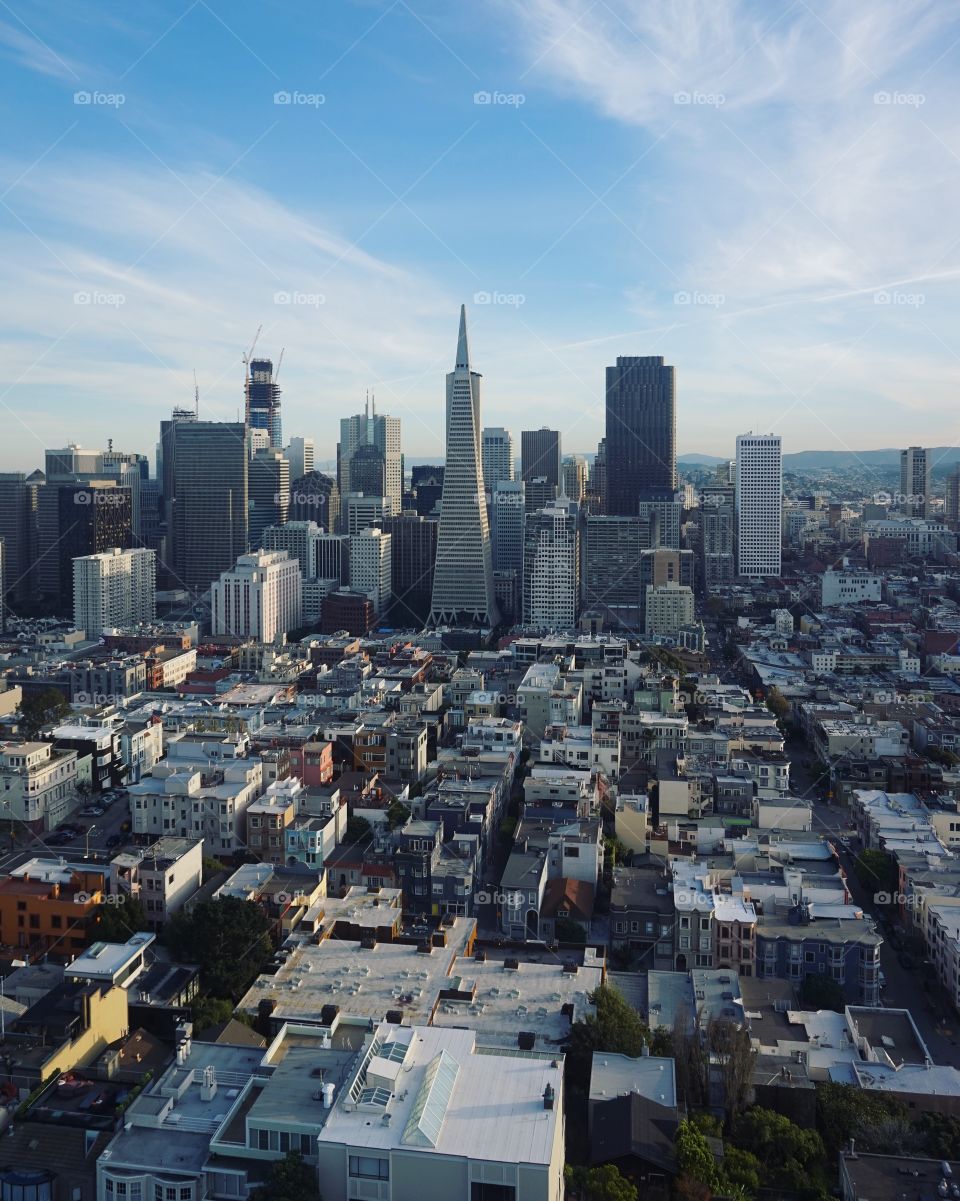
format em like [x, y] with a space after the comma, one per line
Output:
[641, 439]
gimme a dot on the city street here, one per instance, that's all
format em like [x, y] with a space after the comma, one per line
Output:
[27, 845]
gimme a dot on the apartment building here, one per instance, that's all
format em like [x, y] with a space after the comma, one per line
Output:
[37, 784]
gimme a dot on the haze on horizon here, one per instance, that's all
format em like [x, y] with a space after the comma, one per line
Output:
[765, 198]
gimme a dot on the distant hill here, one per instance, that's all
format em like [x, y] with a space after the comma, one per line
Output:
[944, 457]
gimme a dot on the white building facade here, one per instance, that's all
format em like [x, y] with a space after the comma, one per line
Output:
[759, 505]
[259, 598]
[114, 588]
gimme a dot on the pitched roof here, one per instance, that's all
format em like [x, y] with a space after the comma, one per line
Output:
[575, 896]
[633, 1127]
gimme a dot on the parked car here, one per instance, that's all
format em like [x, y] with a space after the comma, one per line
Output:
[115, 840]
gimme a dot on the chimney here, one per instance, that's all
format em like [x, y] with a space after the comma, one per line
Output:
[208, 1087]
[852, 1149]
[328, 1090]
[548, 1097]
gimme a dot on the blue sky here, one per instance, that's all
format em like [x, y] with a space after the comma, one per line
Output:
[766, 195]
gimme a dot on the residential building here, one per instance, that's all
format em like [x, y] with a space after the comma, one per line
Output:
[668, 608]
[38, 783]
[115, 588]
[49, 906]
[162, 876]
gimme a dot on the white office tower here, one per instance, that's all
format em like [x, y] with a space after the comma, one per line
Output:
[463, 577]
[300, 454]
[259, 598]
[497, 456]
[551, 566]
[915, 482]
[115, 588]
[759, 505]
[301, 540]
[358, 511]
[669, 607]
[371, 429]
[371, 568]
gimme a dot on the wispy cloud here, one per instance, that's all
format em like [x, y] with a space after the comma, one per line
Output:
[28, 49]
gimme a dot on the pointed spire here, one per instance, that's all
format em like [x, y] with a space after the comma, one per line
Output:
[366, 405]
[463, 350]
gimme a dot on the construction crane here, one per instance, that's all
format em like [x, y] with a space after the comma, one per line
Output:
[249, 355]
[279, 361]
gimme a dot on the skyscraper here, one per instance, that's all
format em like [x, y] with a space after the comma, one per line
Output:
[263, 401]
[300, 456]
[463, 579]
[915, 482]
[641, 450]
[77, 518]
[378, 430]
[210, 499]
[413, 553]
[951, 497]
[540, 456]
[551, 566]
[259, 598]
[269, 493]
[497, 456]
[759, 504]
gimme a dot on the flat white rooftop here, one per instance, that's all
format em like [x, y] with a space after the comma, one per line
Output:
[652, 1076]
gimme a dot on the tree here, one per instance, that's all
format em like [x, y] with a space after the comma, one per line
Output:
[793, 1159]
[877, 871]
[358, 828]
[228, 937]
[397, 815]
[694, 1157]
[845, 1112]
[731, 1052]
[117, 919]
[821, 992]
[567, 930]
[741, 1170]
[940, 1133]
[39, 709]
[605, 1183]
[615, 1027]
[212, 867]
[290, 1179]
[778, 704]
[210, 1011]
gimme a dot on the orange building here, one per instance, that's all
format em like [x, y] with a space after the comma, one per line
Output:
[48, 906]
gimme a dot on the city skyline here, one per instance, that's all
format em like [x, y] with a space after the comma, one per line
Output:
[736, 197]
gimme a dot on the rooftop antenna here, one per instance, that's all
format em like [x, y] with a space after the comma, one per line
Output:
[366, 405]
[196, 394]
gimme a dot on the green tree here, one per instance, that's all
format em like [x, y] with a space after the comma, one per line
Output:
[940, 1134]
[605, 1183]
[228, 937]
[741, 1170]
[567, 930]
[212, 867]
[290, 1179]
[793, 1159]
[877, 872]
[115, 922]
[821, 992]
[210, 1011]
[397, 815]
[778, 704]
[615, 1027]
[845, 1112]
[694, 1157]
[39, 709]
[358, 828]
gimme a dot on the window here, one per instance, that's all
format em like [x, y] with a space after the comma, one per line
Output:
[365, 1167]
[492, 1192]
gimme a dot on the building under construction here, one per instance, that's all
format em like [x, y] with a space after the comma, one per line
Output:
[263, 400]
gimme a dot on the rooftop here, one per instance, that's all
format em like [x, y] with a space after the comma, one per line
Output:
[652, 1076]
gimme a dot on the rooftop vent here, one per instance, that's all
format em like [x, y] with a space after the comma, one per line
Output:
[511, 965]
